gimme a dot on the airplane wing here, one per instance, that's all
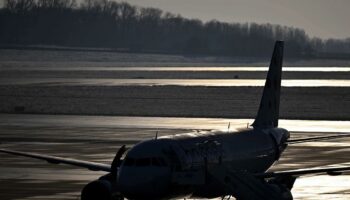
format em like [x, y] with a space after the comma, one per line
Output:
[303, 172]
[315, 139]
[58, 160]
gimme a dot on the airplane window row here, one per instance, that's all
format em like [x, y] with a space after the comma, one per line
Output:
[142, 162]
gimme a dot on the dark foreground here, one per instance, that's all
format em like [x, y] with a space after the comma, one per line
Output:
[97, 139]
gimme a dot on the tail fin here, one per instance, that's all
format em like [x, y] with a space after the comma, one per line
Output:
[268, 113]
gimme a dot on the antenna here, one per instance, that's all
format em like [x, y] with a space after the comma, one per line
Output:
[156, 136]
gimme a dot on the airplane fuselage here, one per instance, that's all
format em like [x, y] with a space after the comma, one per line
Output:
[180, 165]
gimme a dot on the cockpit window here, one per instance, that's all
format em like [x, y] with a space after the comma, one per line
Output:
[155, 162]
[160, 162]
[142, 162]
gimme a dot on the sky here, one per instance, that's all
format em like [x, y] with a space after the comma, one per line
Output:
[320, 18]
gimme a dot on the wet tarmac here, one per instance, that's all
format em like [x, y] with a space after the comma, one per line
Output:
[177, 69]
[97, 138]
[71, 70]
[65, 82]
[167, 82]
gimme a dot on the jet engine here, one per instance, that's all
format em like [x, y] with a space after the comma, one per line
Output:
[282, 190]
[99, 189]
[106, 187]
[283, 186]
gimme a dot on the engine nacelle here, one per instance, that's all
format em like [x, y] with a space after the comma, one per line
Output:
[283, 191]
[283, 186]
[97, 190]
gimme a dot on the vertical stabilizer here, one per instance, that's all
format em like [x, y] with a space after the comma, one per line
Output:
[269, 105]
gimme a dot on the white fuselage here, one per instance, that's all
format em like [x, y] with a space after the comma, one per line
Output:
[180, 165]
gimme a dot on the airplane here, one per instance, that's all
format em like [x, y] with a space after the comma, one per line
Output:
[211, 164]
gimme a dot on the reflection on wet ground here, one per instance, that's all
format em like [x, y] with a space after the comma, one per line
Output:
[175, 69]
[162, 82]
[70, 70]
[97, 138]
[55, 121]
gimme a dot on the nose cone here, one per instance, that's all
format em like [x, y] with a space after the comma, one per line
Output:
[281, 135]
[286, 135]
[144, 182]
[144, 174]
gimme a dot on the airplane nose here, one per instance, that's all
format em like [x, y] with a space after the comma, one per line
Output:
[144, 182]
[287, 134]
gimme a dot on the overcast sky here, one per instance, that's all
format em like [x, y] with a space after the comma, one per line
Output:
[321, 18]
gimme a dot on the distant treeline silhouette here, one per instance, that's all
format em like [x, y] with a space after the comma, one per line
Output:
[121, 26]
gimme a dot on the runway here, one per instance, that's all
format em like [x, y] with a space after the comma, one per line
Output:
[97, 138]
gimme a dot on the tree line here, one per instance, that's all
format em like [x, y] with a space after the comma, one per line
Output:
[124, 27]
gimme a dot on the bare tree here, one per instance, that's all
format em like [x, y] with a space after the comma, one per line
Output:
[20, 6]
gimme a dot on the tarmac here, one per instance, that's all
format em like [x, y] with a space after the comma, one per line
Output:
[97, 138]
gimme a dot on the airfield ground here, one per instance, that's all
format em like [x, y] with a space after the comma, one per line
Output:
[97, 138]
[78, 136]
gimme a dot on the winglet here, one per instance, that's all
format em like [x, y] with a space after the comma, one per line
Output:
[268, 113]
